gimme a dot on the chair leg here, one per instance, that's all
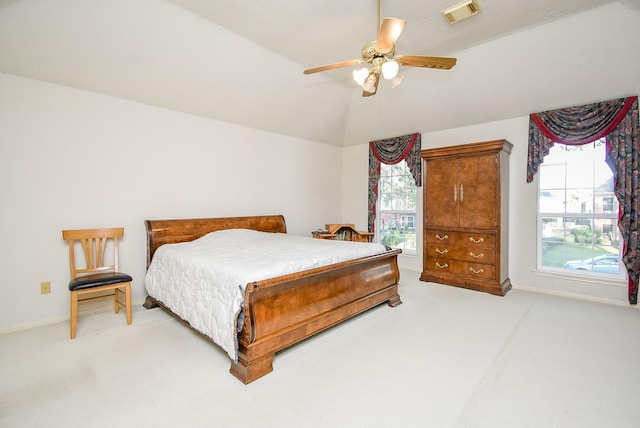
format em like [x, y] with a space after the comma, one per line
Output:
[116, 300]
[127, 299]
[73, 318]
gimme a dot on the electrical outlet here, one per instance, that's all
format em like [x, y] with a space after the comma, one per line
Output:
[45, 287]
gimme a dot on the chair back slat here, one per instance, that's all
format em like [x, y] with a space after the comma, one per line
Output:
[94, 247]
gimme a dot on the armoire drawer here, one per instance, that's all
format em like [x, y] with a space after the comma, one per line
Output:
[462, 252]
[458, 267]
[476, 270]
[477, 240]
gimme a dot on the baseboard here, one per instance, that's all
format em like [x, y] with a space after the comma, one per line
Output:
[55, 320]
[574, 296]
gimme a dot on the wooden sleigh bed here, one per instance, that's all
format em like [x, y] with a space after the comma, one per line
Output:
[282, 311]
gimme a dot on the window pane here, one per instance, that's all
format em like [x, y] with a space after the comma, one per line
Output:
[581, 174]
[551, 175]
[569, 244]
[551, 201]
[579, 201]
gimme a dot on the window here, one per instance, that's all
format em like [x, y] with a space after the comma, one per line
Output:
[608, 203]
[577, 213]
[396, 219]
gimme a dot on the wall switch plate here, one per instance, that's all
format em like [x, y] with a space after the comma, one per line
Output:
[45, 287]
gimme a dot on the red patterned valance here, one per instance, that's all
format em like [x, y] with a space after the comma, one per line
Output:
[574, 126]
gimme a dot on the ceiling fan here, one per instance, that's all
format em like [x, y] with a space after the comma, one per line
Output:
[381, 55]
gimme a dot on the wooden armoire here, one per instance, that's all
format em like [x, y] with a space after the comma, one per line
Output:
[466, 216]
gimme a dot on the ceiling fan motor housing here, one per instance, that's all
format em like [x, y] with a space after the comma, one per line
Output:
[370, 52]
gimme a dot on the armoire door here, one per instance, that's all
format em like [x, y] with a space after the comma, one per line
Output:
[441, 193]
[478, 192]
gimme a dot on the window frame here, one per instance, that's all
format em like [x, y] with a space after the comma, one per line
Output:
[404, 214]
[585, 275]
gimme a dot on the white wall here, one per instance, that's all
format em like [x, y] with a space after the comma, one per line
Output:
[75, 159]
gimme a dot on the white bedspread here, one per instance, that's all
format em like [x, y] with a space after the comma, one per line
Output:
[203, 281]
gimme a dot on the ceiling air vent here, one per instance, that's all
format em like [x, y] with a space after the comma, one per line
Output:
[461, 11]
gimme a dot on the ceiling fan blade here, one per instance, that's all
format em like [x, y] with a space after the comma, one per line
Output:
[332, 66]
[390, 30]
[375, 86]
[426, 61]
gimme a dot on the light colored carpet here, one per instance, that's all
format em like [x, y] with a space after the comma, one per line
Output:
[446, 357]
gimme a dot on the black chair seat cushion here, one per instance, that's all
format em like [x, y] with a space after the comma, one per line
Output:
[98, 280]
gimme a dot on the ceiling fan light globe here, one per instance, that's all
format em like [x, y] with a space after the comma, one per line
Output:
[369, 85]
[390, 69]
[360, 75]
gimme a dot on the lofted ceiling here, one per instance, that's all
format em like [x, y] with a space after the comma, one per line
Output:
[241, 61]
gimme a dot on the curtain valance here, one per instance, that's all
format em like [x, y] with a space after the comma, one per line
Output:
[574, 126]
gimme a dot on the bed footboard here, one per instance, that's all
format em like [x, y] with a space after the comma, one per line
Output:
[285, 310]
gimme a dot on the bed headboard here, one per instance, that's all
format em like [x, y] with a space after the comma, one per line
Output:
[161, 232]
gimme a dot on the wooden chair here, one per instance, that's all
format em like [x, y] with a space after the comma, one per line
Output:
[96, 276]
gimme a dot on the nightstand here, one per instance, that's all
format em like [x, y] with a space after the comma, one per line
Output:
[342, 232]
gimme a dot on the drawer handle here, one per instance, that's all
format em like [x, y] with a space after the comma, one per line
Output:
[439, 251]
[442, 238]
[479, 256]
[446, 265]
[476, 271]
[477, 241]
